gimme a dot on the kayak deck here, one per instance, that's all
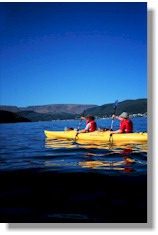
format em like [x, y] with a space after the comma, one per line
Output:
[97, 136]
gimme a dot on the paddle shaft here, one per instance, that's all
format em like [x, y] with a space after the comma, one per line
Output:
[115, 106]
[112, 122]
[80, 122]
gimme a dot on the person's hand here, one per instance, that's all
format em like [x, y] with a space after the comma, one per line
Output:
[113, 116]
[82, 118]
[111, 132]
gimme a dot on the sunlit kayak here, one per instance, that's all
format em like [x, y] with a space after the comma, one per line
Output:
[98, 136]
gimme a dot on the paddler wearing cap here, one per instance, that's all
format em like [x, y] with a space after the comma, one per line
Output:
[126, 125]
[90, 124]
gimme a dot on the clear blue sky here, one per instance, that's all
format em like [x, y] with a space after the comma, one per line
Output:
[72, 53]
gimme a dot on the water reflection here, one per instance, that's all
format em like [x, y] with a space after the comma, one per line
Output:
[120, 157]
[59, 144]
[71, 144]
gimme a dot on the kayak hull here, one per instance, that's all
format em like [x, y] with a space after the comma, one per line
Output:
[98, 136]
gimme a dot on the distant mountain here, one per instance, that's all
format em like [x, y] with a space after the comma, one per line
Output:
[72, 111]
[10, 117]
[52, 108]
[130, 106]
[35, 117]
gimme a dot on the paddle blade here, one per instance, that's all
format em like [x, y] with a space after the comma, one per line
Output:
[115, 104]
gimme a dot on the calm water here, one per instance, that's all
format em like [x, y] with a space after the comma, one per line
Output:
[64, 181]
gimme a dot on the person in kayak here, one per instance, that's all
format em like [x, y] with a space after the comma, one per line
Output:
[90, 125]
[126, 125]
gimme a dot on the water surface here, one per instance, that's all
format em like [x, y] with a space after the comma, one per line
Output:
[47, 180]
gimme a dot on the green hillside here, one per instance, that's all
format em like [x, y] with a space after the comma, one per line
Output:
[130, 106]
[10, 117]
[35, 117]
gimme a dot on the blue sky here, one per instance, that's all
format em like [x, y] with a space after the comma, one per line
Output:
[72, 53]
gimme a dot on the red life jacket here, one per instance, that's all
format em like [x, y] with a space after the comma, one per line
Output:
[126, 126]
[93, 126]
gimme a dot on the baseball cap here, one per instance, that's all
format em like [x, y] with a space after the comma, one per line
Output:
[124, 115]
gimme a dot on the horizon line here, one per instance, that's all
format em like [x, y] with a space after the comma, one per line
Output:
[69, 103]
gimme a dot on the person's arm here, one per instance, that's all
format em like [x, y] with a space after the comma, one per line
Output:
[117, 117]
[84, 130]
[116, 132]
[83, 118]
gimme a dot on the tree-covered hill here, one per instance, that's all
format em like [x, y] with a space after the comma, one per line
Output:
[35, 117]
[130, 106]
[10, 117]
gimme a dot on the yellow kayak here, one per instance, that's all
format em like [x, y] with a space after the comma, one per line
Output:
[102, 136]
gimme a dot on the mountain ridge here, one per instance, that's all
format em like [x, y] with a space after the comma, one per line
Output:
[63, 112]
[50, 108]
[130, 106]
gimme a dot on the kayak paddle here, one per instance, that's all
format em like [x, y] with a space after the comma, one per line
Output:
[114, 106]
[80, 122]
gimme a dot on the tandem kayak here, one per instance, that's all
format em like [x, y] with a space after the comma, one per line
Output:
[98, 136]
